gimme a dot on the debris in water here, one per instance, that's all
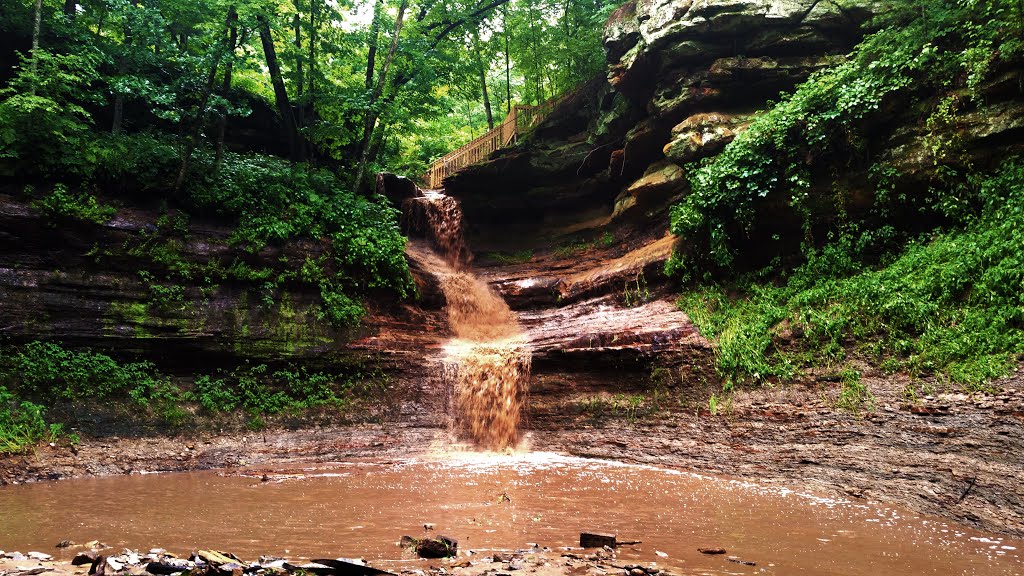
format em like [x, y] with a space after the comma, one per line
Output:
[440, 547]
[597, 540]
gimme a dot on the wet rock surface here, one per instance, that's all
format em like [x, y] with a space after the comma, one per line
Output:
[950, 454]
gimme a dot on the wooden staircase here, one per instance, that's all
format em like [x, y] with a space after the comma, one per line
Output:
[519, 121]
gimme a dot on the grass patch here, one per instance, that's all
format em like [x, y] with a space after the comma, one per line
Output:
[605, 240]
[854, 394]
[23, 426]
[518, 257]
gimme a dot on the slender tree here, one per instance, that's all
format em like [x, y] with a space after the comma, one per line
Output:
[374, 113]
[507, 31]
[482, 71]
[36, 27]
[122, 68]
[311, 94]
[225, 88]
[371, 53]
[300, 80]
[284, 107]
[192, 139]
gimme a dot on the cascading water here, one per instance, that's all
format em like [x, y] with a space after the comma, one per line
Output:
[487, 363]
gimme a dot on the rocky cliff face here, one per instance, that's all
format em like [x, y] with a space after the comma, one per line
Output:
[684, 78]
[589, 190]
[113, 288]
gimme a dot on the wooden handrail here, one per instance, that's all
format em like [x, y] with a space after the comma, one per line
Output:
[520, 119]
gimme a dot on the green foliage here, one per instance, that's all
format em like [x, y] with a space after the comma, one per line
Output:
[951, 305]
[929, 47]
[261, 392]
[274, 201]
[42, 117]
[48, 373]
[61, 204]
[22, 424]
[271, 200]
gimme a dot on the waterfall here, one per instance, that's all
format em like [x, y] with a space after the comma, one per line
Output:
[487, 362]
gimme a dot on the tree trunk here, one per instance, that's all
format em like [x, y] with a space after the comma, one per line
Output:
[371, 55]
[193, 137]
[312, 69]
[483, 79]
[299, 78]
[536, 58]
[225, 87]
[36, 27]
[122, 69]
[378, 141]
[371, 117]
[508, 62]
[280, 94]
[70, 9]
[99, 22]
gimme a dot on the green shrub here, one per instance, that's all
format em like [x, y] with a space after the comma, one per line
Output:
[61, 204]
[261, 392]
[22, 424]
[950, 305]
[269, 199]
[50, 372]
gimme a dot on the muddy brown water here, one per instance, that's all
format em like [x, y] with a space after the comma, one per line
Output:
[498, 502]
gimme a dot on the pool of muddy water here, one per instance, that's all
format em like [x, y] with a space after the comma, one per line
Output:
[490, 502]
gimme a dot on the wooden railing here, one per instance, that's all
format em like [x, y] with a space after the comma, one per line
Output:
[520, 119]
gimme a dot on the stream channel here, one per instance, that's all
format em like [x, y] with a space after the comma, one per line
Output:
[497, 502]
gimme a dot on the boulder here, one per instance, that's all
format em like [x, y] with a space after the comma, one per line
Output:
[167, 566]
[702, 135]
[396, 188]
[83, 558]
[662, 181]
[621, 32]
